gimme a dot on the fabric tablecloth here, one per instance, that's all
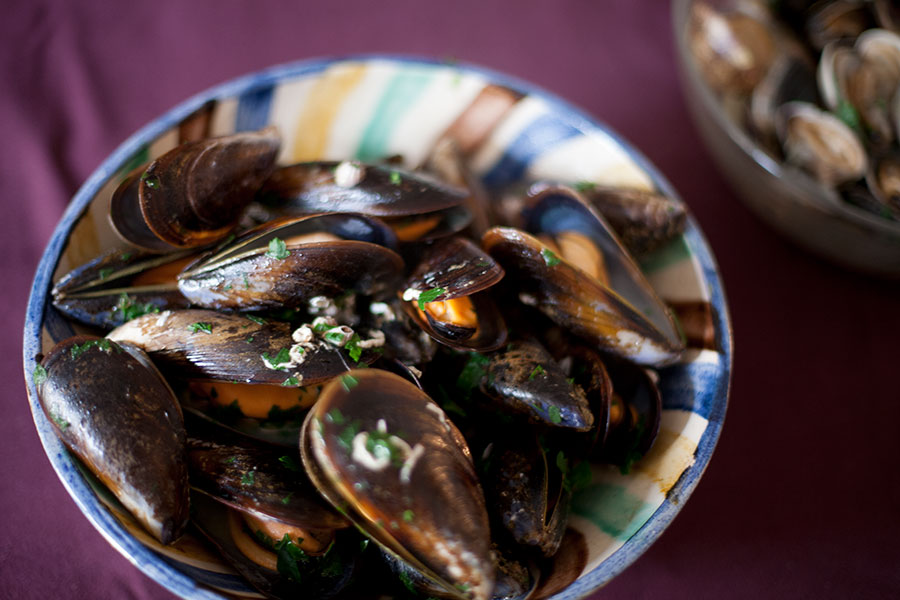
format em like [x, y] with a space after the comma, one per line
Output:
[801, 498]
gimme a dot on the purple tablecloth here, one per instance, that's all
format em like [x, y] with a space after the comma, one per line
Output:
[801, 498]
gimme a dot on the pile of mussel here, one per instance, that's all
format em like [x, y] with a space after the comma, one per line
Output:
[816, 83]
[345, 385]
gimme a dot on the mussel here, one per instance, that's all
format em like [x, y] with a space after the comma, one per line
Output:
[194, 194]
[113, 409]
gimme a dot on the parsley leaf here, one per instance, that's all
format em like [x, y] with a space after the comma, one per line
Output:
[408, 515]
[104, 273]
[291, 382]
[550, 257]
[429, 296]
[277, 249]
[537, 370]
[555, 415]
[290, 462]
[132, 309]
[39, 375]
[200, 326]
[257, 320]
[248, 478]
[395, 178]
[283, 356]
[353, 348]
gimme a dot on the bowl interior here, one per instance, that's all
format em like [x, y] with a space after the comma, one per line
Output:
[372, 107]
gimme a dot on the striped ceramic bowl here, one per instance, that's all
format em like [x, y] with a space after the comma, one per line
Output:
[371, 107]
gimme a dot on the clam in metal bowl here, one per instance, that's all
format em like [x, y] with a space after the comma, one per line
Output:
[756, 87]
[370, 108]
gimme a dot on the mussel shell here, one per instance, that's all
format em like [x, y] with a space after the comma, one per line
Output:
[402, 506]
[100, 293]
[831, 20]
[126, 218]
[883, 181]
[262, 481]
[556, 210]
[489, 335]
[457, 266]
[525, 492]
[371, 189]
[202, 187]
[632, 439]
[116, 413]
[321, 576]
[789, 79]
[244, 275]
[644, 220]
[525, 380]
[232, 351]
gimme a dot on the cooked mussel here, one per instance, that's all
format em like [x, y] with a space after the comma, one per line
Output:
[381, 450]
[112, 408]
[194, 194]
[288, 262]
[443, 296]
[119, 286]
[415, 205]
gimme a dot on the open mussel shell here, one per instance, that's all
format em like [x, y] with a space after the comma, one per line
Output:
[418, 207]
[883, 181]
[382, 451]
[820, 143]
[209, 345]
[287, 262]
[831, 20]
[789, 79]
[525, 380]
[634, 415]
[194, 194]
[261, 480]
[114, 411]
[451, 273]
[644, 220]
[120, 285]
[525, 492]
[286, 572]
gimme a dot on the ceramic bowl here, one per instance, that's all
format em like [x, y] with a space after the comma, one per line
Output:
[785, 198]
[376, 106]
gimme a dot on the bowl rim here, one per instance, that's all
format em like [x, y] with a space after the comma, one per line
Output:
[806, 190]
[158, 567]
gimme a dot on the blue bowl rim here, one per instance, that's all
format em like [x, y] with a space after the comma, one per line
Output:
[157, 568]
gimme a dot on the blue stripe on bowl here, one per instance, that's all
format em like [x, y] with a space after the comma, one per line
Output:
[253, 109]
[681, 391]
[253, 86]
[540, 135]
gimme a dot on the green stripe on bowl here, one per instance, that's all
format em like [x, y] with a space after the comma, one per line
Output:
[613, 509]
[667, 256]
[402, 92]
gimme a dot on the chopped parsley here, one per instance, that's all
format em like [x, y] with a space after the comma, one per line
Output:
[286, 500]
[283, 356]
[248, 478]
[349, 382]
[60, 422]
[335, 416]
[290, 462]
[200, 326]
[231, 460]
[550, 257]
[257, 320]
[353, 348]
[126, 255]
[289, 555]
[277, 249]
[227, 287]
[472, 373]
[585, 186]
[345, 437]
[335, 337]
[395, 178]
[483, 263]
[429, 296]
[39, 375]
[103, 344]
[574, 478]
[321, 326]
[379, 445]
[555, 415]
[132, 309]
[537, 370]
[291, 382]
[104, 273]
[151, 181]
[408, 515]
[847, 113]
[246, 282]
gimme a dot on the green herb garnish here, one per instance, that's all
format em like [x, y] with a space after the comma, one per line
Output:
[290, 462]
[104, 273]
[291, 382]
[246, 282]
[131, 309]
[345, 437]
[555, 416]
[537, 370]
[408, 515]
[39, 375]
[277, 249]
[550, 257]
[126, 255]
[257, 320]
[349, 382]
[429, 296]
[335, 416]
[283, 356]
[151, 181]
[103, 344]
[585, 186]
[248, 478]
[353, 349]
[472, 373]
[847, 113]
[286, 500]
[60, 422]
[289, 555]
[395, 178]
[200, 326]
